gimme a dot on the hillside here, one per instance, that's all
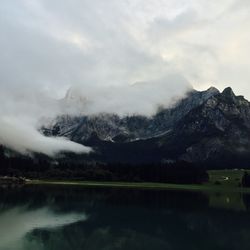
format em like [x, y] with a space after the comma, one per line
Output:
[207, 127]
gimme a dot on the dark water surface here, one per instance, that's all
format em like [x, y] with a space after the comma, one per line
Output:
[60, 218]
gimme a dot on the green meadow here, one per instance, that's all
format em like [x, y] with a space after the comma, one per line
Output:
[219, 180]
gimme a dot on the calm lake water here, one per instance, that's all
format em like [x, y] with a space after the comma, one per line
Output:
[60, 218]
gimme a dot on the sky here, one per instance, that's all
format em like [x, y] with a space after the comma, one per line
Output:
[126, 56]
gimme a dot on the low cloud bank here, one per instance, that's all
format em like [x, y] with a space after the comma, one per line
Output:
[19, 124]
[24, 138]
[143, 98]
[23, 110]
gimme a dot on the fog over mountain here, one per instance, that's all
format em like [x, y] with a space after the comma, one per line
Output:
[24, 111]
[142, 98]
[122, 57]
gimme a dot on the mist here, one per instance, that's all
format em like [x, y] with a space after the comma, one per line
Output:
[20, 114]
[143, 98]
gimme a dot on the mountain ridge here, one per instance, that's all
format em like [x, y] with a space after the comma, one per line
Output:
[206, 128]
[110, 126]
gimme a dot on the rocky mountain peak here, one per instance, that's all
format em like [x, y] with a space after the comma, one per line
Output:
[204, 126]
[228, 92]
[213, 90]
[228, 96]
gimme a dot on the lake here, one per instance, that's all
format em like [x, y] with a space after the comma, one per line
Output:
[58, 217]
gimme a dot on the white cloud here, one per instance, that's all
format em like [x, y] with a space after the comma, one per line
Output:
[59, 43]
[140, 98]
[20, 113]
[24, 138]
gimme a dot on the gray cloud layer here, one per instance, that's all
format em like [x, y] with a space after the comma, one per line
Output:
[99, 48]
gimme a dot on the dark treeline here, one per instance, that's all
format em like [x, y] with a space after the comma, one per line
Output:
[45, 168]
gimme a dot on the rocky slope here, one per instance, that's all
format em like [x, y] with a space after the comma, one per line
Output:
[111, 127]
[220, 128]
[207, 127]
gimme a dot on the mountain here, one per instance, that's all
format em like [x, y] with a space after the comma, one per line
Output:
[208, 127]
[111, 127]
[218, 131]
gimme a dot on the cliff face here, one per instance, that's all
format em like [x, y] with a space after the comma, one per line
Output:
[111, 127]
[205, 127]
[220, 127]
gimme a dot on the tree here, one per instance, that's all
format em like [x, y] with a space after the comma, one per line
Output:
[246, 180]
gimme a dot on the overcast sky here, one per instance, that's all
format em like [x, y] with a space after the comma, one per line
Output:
[48, 46]
[54, 44]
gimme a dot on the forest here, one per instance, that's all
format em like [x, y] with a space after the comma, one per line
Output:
[41, 167]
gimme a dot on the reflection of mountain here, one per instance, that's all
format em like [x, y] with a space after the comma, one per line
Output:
[207, 127]
[127, 219]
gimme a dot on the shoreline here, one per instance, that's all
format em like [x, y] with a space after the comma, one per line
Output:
[142, 185]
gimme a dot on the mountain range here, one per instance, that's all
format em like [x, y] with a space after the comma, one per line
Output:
[209, 128]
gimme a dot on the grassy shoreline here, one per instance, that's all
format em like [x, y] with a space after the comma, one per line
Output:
[144, 185]
[219, 181]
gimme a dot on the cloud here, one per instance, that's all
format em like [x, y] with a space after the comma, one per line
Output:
[20, 114]
[103, 49]
[16, 223]
[143, 98]
[57, 44]
[24, 138]
[207, 43]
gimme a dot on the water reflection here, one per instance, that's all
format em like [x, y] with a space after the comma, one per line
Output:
[16, 223]
[55, 218]
[231, 201]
